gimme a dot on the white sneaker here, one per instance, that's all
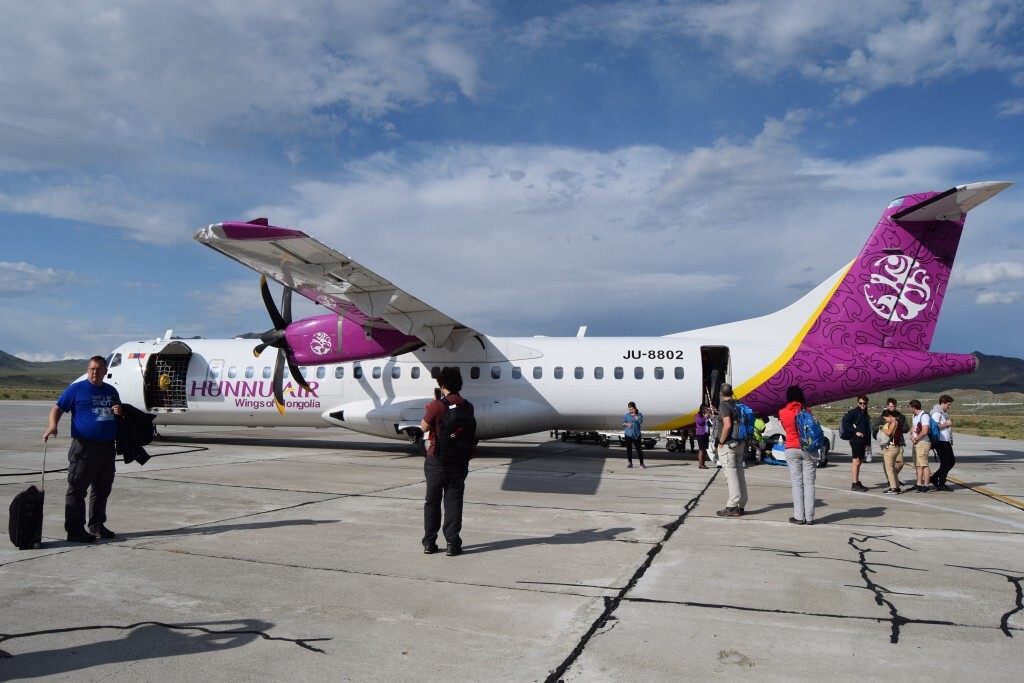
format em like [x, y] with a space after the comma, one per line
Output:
[868, 459]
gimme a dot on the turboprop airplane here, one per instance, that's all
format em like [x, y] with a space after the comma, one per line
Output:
[369, 364]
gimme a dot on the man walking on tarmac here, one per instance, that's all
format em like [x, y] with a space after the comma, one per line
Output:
[94, 407]
[730, 453]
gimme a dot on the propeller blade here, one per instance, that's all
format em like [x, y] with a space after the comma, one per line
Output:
[297, 375]
[279, 380]
[286, 307]
[275, 317]
[259, 349]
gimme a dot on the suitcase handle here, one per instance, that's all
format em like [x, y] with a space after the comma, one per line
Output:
[42, 475]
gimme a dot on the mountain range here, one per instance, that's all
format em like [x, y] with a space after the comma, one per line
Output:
[998, 374]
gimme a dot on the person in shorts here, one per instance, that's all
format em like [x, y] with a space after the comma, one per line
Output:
[922, 446]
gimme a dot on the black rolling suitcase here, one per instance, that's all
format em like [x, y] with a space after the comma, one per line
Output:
[26, 525]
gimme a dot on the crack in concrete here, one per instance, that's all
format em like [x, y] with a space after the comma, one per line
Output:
[612, 603]
[1012, 577]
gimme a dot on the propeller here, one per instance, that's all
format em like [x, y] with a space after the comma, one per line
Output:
[275, 337]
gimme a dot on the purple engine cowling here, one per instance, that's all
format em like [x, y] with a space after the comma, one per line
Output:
[327, 339]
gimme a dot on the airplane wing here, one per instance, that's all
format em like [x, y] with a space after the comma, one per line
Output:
[333, 280]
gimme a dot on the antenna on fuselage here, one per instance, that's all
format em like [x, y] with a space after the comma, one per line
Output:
[582, 332]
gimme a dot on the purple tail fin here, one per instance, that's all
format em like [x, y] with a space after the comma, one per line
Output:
[891, 295]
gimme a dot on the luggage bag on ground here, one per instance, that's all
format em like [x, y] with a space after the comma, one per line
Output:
[26, 524]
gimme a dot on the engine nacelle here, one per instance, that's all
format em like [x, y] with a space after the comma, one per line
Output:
[327, 339]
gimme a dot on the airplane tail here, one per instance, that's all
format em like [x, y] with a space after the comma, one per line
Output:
[891, 295]
[873, 325]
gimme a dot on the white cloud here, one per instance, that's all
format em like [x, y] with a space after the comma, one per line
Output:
[860, 47]
[106, 200]
[26, 279]
[114, 81]
[233, 299]
[989, 298]
[566, 236]
[986, 274]
[1011, 107]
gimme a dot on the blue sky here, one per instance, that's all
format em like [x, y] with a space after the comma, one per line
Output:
[639, 167]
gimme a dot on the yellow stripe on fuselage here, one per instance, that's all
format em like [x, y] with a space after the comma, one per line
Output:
[773, 367]
[787, 355]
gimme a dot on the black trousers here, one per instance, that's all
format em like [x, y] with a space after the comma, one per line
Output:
[634, 441]
[90, 466]
[944, 449]
[446, 483]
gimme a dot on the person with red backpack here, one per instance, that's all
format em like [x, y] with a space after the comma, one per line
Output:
[449, 435]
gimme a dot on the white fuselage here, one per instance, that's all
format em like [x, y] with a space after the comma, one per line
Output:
[517, 386]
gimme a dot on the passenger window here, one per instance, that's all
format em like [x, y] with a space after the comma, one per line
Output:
[638, 372]
[618, 373]
[304, 372]
[357, 371]
[659, 373]
[321, 372]
[376, 372]
[578, 373]
[232, 372]
[396, 372]
[435, 372]
[679, 373]
[474, 372]
[517, 372]
[267, 372]
[416, 372]
[214, 372]
[558, 372]
[598, 373]
[495, 372]
[249, 372]
[339, 372]
[538, 372]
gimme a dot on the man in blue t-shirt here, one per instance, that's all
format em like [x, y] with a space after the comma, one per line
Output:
[94, 407]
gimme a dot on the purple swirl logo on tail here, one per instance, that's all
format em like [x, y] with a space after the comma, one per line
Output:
[898, 288]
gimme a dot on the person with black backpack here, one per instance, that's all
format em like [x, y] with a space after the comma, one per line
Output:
[449, 436]
[855, 428]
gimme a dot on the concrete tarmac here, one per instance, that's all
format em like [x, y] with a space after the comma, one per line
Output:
[272, 555]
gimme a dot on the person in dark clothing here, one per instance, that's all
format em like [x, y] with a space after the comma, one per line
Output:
[94, 407]
[446, 480]
[944, 446]
[857, 425]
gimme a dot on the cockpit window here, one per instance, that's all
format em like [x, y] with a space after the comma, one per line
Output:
[113, 360]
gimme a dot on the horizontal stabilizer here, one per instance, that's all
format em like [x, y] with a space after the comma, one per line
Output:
[952, 204]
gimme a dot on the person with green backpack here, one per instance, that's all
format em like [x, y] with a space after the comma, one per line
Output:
[942, 441]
